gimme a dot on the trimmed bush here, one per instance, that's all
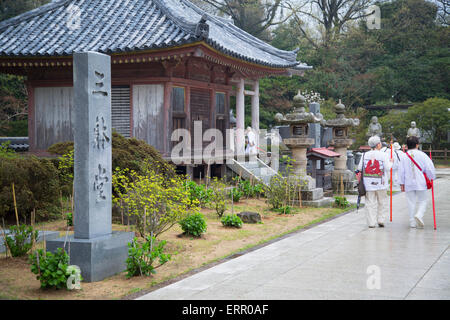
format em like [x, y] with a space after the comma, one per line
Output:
[128, 153]
[231, 220]
[194, 225]
[36, 185]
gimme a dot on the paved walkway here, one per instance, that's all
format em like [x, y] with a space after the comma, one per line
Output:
[331, 261]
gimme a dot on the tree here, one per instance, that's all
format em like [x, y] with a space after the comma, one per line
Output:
[331, 15]
[252, 16]
[12, 8]
[443, 12]
[432, 116]
[13, 94]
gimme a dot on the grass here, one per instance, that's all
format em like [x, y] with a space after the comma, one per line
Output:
[216, 244]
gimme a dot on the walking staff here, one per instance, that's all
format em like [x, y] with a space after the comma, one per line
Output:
[432, 196]
[391, 184]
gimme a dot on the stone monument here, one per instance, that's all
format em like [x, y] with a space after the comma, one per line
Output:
[375, 128]
[341, 142]
[97, 250]
[298, 142]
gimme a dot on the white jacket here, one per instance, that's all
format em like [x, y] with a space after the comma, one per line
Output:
[410, 175]
[376, 170]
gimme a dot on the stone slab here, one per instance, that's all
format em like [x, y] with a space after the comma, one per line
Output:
[324, 202]
[313, 194]
[98, 258]
[49, 235]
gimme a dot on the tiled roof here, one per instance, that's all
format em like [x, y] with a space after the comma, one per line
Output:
[130, 25]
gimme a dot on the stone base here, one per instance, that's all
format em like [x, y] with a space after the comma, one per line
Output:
[48, 235]
[312, 195]
[98, 258]
[307, 182]
[348, 179]
[324, 202]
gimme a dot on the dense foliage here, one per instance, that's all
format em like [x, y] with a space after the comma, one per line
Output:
[20, 239]
[50, 268]
[128, 153]
[194, 224]
[198, 193]
[156, 202]
[231, 220]
[218, 197]
[433, 117]
[142, 256]
[36, 184]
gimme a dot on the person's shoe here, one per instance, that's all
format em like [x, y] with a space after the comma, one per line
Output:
[381, 225]
[419, 222]
[412, 225]
[371, 226]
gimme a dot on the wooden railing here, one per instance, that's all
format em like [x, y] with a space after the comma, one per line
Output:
[438, 154]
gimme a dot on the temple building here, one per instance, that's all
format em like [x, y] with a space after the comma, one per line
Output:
[172, 64]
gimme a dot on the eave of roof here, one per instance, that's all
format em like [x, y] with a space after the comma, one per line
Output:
[42, 32]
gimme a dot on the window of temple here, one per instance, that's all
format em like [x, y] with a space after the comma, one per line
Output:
[221, 113]
[178, 109]
[120, 109]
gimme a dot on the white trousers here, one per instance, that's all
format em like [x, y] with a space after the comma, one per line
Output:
[377, 205]
[417, 199]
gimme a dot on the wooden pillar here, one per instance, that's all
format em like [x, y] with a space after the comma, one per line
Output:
[255, 110]
[240, 116]
[167, 119]
[31, 118]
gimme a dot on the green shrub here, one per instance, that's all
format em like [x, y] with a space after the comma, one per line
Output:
[284, 210]
[341, 202]
[36, 185]
[20, 239]
[157, 203]
[50, 268]
[65, 171]
[142, 256]
[276, 193]
[236, 194]
[258, 189]
[198, 193]
[69, 219]
[6, 152]
[127, 153]
[194, 225]
[218, 197]
[231, 220]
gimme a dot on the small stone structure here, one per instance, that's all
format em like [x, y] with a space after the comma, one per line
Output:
[298, 142]
[94, 247]
[341, 142]
[249, 217]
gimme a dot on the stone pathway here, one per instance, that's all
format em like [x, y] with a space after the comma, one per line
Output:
[332, 260]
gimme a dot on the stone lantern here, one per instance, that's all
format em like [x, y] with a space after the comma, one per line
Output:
[341, 142]
[298, 142]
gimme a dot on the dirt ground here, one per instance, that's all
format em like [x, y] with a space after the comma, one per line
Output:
[18, 282]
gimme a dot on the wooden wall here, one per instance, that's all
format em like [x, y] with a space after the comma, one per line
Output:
[53, 116]
[148, 114]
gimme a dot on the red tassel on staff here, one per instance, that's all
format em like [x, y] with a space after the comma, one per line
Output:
[432, 197]
[391, 185]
